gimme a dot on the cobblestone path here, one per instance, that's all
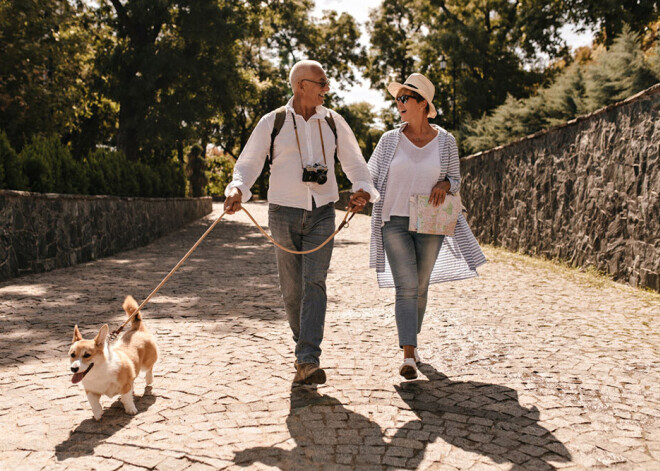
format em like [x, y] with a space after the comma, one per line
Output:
[529, 366]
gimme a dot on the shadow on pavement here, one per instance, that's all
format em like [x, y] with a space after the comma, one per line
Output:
[232, 264]
[90, 433]
[481, 418]
[325, 432]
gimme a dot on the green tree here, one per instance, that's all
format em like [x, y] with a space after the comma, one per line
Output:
[618, 73]
[172, 66]
[45, 63]
[489, 47]
[363, 121]
[50, 168]
[610, 75]
[611, 16]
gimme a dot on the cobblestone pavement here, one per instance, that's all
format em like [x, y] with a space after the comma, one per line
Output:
[529, 366]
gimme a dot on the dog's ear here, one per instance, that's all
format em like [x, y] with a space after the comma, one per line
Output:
[76, 334]
[100, 337]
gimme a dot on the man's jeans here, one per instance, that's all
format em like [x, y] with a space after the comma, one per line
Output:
[411, 257]
[302, 277]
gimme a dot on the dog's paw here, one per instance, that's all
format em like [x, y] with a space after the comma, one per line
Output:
[97, 416]
[130, 409]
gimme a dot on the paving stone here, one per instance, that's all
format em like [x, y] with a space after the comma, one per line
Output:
[527, 366]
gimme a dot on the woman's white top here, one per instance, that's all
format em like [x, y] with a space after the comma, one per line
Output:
[413, 171]
[459, 255]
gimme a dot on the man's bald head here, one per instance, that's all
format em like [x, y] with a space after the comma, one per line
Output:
[302, 69]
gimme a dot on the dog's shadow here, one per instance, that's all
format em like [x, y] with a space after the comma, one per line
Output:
[90, 433]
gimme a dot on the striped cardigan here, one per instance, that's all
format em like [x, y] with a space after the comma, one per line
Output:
[460, 255]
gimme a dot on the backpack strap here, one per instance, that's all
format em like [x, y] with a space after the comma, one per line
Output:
[280, 116]
[331, 122]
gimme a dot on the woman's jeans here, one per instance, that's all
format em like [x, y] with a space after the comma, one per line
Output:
[411, 257]
[302, 277]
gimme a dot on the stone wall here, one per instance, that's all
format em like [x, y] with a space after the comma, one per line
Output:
[586, 192]
[40, 232]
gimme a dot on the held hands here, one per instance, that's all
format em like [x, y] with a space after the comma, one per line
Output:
[233, 201]
[358, 201]
[439, 192]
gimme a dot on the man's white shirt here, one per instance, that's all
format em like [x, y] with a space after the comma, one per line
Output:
[286, 187]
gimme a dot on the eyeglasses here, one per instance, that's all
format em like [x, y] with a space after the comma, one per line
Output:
[321, 84]
[404, 98]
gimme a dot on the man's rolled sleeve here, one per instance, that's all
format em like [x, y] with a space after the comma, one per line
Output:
[351, 160]
[246, 194]
[369, 188]
[251, 161]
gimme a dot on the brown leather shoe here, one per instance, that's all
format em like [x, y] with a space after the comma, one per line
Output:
[309, 373]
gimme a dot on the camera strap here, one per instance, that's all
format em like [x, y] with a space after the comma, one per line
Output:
[295, 128]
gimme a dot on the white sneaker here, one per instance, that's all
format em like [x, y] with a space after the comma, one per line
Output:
[417, 359]
[408, 368]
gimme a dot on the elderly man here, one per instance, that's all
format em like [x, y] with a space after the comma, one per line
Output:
[301, 195]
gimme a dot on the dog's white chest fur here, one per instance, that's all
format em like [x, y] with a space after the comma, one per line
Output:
[104, 379]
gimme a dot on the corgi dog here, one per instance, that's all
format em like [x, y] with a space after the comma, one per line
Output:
[109, 370]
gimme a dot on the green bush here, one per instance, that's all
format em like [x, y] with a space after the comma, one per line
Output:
[111, 173]
[11, 176]
[45, 165]
[49, 167]
[173, 179]
[221, 169]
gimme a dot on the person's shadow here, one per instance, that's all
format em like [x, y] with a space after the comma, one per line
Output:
[325, 432]
[477, 417]
[480, 418]
[86, 437]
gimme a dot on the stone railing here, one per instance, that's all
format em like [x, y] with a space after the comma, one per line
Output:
[586, 192]
[40, 232]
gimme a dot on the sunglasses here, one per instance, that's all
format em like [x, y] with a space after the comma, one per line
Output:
[404, 98]
[321, 84]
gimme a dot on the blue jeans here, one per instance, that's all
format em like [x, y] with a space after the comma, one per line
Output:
[411, 256]
[302, 277]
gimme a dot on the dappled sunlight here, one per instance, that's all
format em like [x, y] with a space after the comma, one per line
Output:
[189, 301]
[26, 290]
[16, 334]
[121, 261]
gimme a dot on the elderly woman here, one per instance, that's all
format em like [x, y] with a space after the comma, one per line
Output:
[417, 158]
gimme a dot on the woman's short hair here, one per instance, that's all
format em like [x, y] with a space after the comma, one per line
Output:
[419, 98]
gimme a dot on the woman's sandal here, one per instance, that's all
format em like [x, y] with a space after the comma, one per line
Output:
[408, 368]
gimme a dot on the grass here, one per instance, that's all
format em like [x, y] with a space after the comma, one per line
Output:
[586, 276]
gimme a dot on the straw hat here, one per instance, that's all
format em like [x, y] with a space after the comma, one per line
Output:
[417, 83]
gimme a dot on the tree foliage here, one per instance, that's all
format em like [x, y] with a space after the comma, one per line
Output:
[44, 70]
[146, 80]
[610, 75]
[488, 47]
[610, 17]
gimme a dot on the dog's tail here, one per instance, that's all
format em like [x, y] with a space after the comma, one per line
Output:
[130, 305]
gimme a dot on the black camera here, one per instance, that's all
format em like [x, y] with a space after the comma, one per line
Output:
[317, 173]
